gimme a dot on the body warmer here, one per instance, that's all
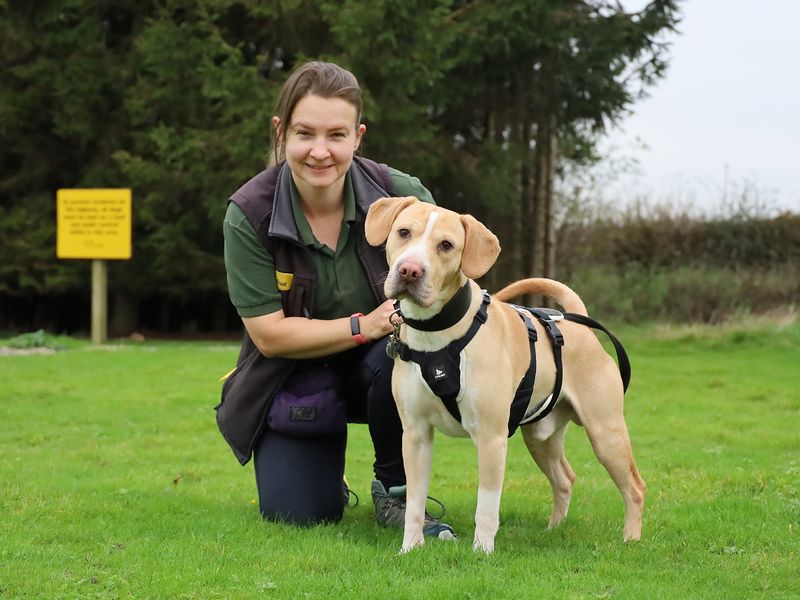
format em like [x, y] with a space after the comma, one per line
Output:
[249, 390]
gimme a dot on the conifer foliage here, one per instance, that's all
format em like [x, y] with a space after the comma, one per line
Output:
[482, 100]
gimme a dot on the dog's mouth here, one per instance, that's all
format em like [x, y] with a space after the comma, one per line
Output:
[417, 292]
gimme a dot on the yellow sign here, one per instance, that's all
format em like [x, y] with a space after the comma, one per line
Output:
[93, 223]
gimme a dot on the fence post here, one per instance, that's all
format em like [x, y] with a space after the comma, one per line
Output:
[99, 301]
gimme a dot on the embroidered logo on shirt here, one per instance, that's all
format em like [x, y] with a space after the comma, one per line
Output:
[284, 281]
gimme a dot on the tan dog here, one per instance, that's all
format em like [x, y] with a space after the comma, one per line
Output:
[431, 253]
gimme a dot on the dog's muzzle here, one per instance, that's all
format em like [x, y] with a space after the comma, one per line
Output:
[409, 279]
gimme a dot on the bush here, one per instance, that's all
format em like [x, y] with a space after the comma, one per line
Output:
[690, 293]
[36, 339]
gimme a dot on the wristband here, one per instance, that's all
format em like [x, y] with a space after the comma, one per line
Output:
[355, 329]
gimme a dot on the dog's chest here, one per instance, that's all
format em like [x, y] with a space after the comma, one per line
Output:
[421, 405]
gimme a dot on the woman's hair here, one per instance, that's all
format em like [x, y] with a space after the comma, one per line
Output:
[323, 79]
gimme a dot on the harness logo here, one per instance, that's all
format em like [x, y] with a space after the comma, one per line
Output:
[439, 373]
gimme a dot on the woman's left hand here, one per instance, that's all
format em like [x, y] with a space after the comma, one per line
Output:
[376, 324]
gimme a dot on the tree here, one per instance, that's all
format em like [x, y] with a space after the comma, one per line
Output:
[536, 82]
[482, 100]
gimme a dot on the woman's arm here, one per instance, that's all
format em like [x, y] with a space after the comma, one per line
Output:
[297, 337]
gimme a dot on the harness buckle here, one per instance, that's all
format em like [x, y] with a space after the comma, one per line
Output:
[552, 313]
[546, 318]
[554, 331]
[482, 315]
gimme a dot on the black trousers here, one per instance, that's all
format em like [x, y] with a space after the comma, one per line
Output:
[299, 480]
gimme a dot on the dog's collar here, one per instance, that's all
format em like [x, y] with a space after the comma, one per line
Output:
[451, 313]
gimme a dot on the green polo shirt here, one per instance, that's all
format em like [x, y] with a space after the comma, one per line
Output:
[342, 285]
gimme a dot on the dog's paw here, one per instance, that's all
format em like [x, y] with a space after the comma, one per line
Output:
[485, 546]
[632, 536]
[406, 549]
[411, 542]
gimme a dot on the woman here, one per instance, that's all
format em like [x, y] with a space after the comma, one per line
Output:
[309, 291]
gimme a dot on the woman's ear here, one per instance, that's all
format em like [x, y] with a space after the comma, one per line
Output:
[360, 131]
[276, 123]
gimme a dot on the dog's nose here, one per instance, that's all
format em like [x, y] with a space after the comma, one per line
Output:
[410, 271]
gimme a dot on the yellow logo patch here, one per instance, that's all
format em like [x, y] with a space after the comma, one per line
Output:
[284, 280]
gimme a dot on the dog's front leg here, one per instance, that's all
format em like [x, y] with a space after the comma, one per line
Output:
[492, 450]
[417, 456]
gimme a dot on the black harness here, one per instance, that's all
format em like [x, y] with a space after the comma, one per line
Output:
[442, 371]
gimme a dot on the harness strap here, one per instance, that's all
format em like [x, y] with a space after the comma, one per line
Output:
[525, 389]
[622, 356]
[543, 409]
[441, 369]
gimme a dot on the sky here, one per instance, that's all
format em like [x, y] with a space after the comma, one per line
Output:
[724, 120]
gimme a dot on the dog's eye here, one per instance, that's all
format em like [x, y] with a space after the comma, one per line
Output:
[445, 246]
[403, 233]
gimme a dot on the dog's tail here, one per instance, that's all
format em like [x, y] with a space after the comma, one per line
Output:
[556, 290]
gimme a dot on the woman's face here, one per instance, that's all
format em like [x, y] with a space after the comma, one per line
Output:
[320, 140]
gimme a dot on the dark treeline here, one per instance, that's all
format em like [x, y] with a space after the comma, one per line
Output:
[484, 101]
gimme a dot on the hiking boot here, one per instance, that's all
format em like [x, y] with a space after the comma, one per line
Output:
[390, 511]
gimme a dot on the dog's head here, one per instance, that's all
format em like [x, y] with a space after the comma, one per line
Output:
[429, 249]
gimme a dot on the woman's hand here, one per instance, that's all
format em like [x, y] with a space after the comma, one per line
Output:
[297, 337]
[376, 324]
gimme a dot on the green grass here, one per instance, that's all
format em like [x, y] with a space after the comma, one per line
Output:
[114, 483]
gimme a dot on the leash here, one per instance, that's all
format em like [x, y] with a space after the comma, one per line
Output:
[623, 362]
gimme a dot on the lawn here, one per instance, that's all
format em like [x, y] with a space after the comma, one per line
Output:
[115, 483]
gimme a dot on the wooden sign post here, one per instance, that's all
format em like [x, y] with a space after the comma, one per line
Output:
[95, 224]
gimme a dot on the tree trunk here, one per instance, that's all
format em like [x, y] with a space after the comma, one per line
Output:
[124, 315]
[544, 247]
[550, 212]
[489, 281]
[527, 219]
[539, 220]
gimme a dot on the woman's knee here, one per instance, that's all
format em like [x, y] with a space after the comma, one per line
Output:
[300, 480]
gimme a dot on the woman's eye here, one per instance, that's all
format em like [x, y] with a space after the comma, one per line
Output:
[445, 246]
[338, 136]
[403, 233]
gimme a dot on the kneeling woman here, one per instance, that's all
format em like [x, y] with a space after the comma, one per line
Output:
[309, 290]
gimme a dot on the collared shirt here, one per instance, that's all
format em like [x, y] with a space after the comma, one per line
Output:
[342, 285]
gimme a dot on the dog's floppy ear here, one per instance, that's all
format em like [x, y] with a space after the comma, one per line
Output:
[381, 215]
[481, 248]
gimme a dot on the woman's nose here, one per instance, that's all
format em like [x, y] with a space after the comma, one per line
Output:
[319, 148]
